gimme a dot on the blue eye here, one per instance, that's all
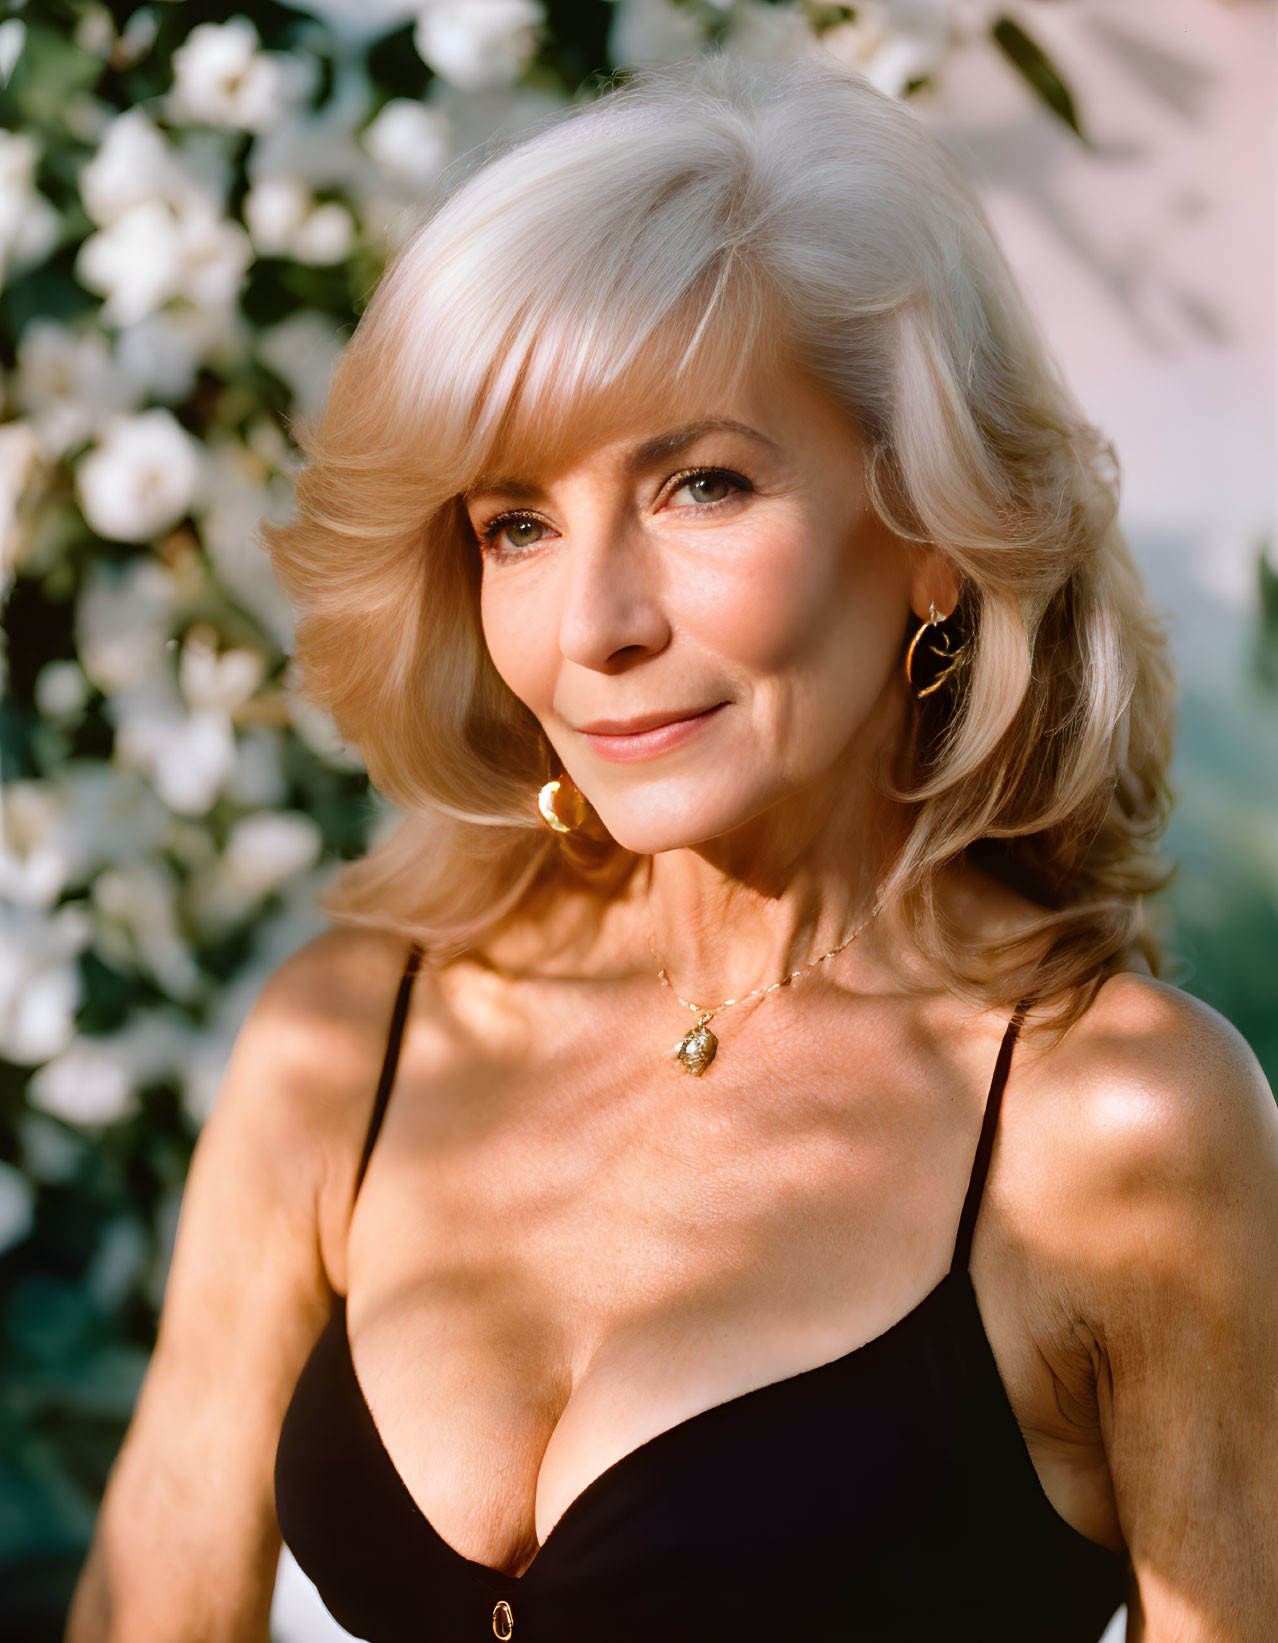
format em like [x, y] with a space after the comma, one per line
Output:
[708, 486]
[515, 528]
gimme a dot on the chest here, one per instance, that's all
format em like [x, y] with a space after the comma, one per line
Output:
[566, 1247]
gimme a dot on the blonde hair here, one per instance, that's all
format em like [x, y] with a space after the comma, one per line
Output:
[676, 229]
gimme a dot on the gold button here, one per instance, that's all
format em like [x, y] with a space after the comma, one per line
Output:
[503, 1621]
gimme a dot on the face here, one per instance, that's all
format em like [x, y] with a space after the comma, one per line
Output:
[704, 613]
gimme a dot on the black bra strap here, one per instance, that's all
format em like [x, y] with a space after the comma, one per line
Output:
[985, 1146]
[389, 1061]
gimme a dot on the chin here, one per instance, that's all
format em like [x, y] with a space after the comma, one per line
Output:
[649, 829]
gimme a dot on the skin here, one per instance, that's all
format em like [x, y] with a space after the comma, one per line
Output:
[564, 1247]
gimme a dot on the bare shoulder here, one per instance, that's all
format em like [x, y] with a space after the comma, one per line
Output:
[300, 1083]
[1159, 1135]
[304, 1050]
[1161, 1086]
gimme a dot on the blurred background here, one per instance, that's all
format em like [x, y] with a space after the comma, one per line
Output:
[195, 202]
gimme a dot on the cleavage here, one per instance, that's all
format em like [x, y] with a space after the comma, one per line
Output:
[494, 1487]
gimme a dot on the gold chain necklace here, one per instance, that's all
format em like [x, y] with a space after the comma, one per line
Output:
[696, 1049]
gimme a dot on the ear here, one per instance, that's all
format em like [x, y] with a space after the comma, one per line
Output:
[934, 580]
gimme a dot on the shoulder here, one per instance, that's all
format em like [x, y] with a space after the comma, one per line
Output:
[329, 999]
[1157, 1146]
[1160, 1085]
[304, 1066]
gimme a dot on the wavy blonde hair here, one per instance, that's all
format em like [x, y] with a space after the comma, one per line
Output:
[674, 231]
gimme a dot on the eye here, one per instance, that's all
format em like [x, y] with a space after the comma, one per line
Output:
[708, 486]
[510, 534]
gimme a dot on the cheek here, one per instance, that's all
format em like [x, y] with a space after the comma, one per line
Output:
[516, 636]
[807, 599]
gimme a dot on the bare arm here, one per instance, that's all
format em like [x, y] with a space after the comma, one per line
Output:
[186, 1544]
[1178, 1288]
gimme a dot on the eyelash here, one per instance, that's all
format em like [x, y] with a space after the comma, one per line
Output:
[486, 538]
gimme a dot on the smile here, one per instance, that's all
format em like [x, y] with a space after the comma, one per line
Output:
[613, 739]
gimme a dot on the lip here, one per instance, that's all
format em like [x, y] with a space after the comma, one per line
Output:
[626, 740]
[644, 721]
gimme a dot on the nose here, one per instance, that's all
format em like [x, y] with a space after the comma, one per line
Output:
[612, 611]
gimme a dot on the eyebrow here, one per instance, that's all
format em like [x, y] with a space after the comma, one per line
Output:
[661, 448]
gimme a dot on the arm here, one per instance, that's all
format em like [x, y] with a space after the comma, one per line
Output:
[186, 1544]
[1176, 1222]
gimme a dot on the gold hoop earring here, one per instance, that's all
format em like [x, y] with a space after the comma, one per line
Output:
[941, 647]
[561, 804]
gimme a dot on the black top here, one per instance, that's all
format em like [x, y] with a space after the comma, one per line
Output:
[884, 1497]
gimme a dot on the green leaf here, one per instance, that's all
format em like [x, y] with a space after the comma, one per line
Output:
[1034, 66]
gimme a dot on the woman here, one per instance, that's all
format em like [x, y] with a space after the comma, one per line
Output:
[705, 557]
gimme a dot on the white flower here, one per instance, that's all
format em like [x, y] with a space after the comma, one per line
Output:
[222, 78]
[61, 690]
[327, 235]
[85, 1084]
[302, 350]
[264, 850]
[17, 1206]
[214, 254]
[135, 263]
[141, 479]
[32, 864]
[122, 622]
[475, 43]
[218, 680]
[285, 220]
[136, 38]
[95, 1080]
[138, 925]
[894, 42]
[152, 253]
[39, 981]
[13, 36]
[186, 756]
[95, 33]
[274, 210]
[133, 166]
[654, 31]
[57, 833]
[66, 384]
[409, 141]
[109, 815]
[28, 223]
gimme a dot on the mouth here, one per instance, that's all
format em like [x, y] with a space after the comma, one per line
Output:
[626, 740]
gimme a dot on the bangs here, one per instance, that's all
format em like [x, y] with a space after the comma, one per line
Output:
[569, 387]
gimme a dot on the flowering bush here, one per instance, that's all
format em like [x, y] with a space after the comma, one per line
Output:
[193, 208]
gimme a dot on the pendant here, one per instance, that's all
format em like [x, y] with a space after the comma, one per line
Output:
[697, 1046]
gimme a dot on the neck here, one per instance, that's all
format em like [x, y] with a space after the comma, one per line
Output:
[741, 911]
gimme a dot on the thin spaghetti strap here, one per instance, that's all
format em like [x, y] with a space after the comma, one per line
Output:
[390, 1060]
[985, 1146]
